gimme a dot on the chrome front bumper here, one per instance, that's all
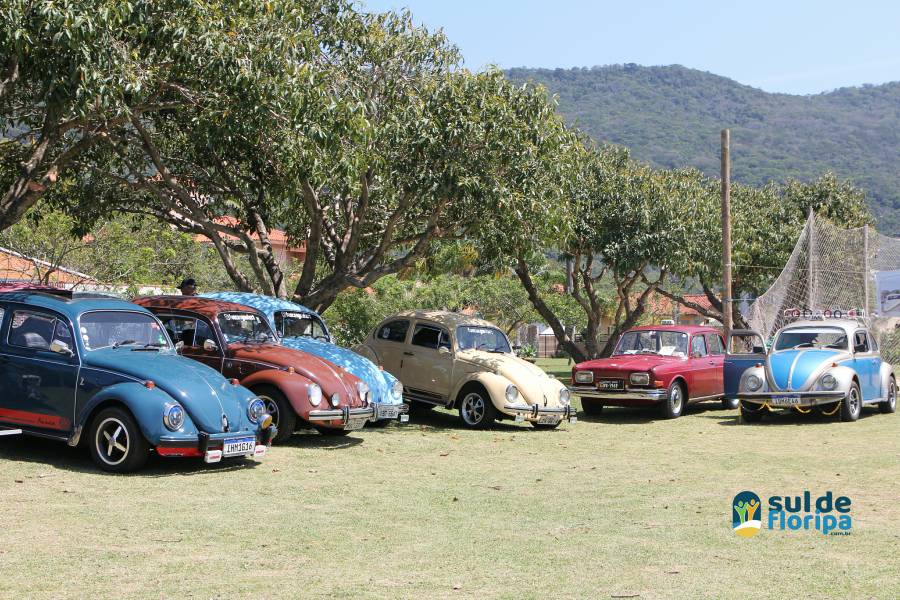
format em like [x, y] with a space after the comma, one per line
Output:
[806, 398]
[645, 395]
[343, 414]
[532, 412]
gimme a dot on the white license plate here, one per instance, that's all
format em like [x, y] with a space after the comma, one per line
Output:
[785, 400]
[388, 411]
[239, 446]
[354, 424]
[548, 420]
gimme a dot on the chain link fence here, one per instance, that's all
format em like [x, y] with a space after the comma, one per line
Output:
[833, 269]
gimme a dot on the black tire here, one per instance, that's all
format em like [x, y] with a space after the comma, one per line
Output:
[283, 415]
[752, 415]
[117, 444]
[730, 404]
[890, 405]
[676, 399]
[332, 431]
[591, 407]
[851, 406]
[476, 410]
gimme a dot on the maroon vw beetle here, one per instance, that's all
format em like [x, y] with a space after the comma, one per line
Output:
[238, 341]
[668, 366]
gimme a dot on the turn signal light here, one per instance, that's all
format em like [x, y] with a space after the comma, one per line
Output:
[758, 365]
[659, 383]
[834, 364]
[149, 384]
[290, 369]
[234, 382]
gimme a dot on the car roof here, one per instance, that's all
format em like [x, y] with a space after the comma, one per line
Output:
[207, 307]
[691, 329]
[265, 304]
[444, 317]
[70, 306]
[848, 325]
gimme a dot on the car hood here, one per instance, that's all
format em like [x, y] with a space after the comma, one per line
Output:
[790, 369]
[202, 391]
[379, 381]
[628, 363]
[533, 383]
[332, 378]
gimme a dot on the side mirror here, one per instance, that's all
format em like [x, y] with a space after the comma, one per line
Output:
[443, 350]
[61, 348]
[516, 348]
[179, 346]
[210, 346]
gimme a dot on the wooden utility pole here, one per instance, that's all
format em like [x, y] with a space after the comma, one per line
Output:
[726, 231]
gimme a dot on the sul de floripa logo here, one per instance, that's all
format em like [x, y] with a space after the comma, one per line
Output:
[827, 514]
[744, 516]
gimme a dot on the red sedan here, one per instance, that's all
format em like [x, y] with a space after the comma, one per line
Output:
[666, 366]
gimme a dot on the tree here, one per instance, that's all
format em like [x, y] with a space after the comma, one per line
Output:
[75, 72]
[631, 227]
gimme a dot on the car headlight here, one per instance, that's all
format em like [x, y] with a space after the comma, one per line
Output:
[639, 378]
[753, 383]
[829, 382]
[363, 388]
[173, 416]
[314, 393]
[584, 377]
[512, 392]
[256, 410]
[564, 397]
[335, 399]
[397, 389]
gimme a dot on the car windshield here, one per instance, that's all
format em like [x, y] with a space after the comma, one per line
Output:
[489, 339]
[291, 324]
[244, 327]
[653, 341]
[832, 338]
[105, 329]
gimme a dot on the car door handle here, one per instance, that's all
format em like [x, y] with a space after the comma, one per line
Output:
[408, 354]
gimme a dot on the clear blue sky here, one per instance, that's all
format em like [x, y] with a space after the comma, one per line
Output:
[790, 46]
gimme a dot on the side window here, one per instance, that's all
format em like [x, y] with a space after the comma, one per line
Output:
[860, 342]
[191, 331]
[395, 331]
[873, 343]
[426, 336]
[715, 344]
[37, 330]
[746, 343]
[698, 345]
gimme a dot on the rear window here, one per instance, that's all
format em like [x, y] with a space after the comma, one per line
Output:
[395, 331]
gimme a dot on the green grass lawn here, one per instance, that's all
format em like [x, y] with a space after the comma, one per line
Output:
[623, 505]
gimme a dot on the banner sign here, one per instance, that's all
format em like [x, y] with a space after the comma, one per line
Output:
[887, 284]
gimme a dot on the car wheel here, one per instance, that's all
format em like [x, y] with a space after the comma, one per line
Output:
[752, 415]
[591, 407]
[476, 409]
[851, 406]
[283, 415]
[331, 431]
[890, 405]
[730, 404]
[673, 405]
[117, 444]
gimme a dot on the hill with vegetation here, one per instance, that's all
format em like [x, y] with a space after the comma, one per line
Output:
[671, 116]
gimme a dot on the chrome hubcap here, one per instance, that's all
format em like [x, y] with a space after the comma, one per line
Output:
[271, 408]
[473, 409]
[854, 401]
[675, 399]
[112, 441]
[892, 395]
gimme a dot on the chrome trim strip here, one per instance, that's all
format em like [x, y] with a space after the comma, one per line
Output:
[340, 413]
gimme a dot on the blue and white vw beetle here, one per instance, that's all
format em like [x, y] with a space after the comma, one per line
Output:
[303, 329]
[831, 364]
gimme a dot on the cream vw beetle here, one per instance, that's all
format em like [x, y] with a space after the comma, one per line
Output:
[453, 360]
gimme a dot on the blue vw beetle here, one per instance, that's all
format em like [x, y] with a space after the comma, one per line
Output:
[832, 365]
[303, 329]
[104, 372]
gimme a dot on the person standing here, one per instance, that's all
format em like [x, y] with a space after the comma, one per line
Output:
[188, 287]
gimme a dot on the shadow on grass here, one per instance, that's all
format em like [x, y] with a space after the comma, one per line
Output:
[647, 414]
[793, 417]
[28, 449]
[423, 419]
[311, 439]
